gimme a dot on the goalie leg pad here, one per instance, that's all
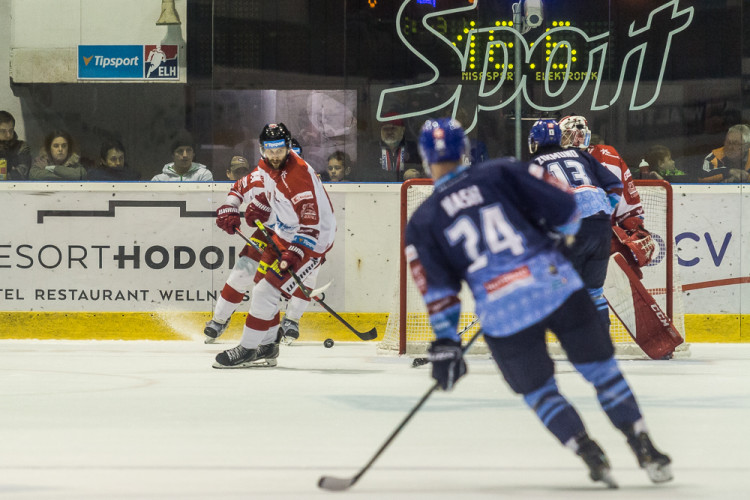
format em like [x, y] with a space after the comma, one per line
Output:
[642, 317]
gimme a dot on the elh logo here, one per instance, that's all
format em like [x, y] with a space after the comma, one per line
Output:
[161, 62]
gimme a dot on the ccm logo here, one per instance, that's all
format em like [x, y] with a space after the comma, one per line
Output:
[659, 314]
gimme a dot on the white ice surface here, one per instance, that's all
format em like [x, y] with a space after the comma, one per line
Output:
[153, 420]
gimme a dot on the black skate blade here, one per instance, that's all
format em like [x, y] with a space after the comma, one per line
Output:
[609, 481]
[331, 483]
[659, 473]
[263, 363]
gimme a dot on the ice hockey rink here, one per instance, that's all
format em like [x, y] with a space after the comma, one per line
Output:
[154, 420]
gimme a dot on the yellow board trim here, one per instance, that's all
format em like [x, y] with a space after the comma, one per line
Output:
[315, 326]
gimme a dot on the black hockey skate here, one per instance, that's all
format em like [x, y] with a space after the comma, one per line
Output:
[288, 331]
[240, 357]
[596, 461]
[656, 464]
[213, 330]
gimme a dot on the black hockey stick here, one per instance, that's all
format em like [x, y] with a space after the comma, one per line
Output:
[340, 484]
[314, 292]
[368, 335]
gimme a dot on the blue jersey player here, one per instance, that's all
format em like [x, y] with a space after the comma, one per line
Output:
[494, 225]
[597, 192]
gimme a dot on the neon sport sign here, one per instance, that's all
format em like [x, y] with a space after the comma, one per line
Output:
[488, 95]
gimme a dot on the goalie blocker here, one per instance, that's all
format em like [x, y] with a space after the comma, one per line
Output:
[642, 317]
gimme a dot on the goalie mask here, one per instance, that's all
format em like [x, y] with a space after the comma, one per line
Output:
[275, 142]
[544, 133]
[441, 140]
[575, 132]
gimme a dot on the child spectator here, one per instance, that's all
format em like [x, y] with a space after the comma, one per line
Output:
[661, 165]
[339, 167]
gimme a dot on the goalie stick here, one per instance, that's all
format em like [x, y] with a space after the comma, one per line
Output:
[331, 483]
[637, 310]
[368, 335]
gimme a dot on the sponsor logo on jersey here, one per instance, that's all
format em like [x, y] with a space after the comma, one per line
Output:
[508, 282]
[309, 213]
[306, 195]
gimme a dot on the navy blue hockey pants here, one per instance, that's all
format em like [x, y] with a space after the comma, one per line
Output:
[589, 255]
[523, 358]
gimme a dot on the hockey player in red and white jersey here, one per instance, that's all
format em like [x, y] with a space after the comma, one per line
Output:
[632, 247]
[242, 276]
[283, 190]
[629, 237]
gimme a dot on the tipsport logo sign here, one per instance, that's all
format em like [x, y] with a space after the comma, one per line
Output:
[128, 62]
[561, 87]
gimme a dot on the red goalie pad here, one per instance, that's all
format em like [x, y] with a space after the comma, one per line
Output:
[637, 310]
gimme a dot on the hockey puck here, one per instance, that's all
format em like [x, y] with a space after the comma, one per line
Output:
[328, 343]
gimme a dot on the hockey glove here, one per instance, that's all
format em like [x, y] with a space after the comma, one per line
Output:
[228, 218]
[258, 209]
[290, 258]
[638, 240]
[448, 363]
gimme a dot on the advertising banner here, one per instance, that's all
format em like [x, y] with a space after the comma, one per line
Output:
[140, 247]
[128, 62]
[130, 250]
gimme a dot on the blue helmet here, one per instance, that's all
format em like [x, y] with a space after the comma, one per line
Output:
[441, 140]
[544, 132]
[296, 147]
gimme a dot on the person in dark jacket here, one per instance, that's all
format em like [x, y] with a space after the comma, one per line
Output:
[111, 165]
[14, 153]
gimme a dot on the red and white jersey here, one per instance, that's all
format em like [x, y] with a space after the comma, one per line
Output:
[630, 204]
[301, 211]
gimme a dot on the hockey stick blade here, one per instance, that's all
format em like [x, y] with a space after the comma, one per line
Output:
[368, 335]
[338, 484]
[331, 483]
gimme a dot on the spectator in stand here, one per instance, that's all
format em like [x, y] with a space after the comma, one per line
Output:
[395, 155]
[339, 167]
[15, 154]
[183, 168]
[658, 164]
[111, 165]
[238, 168]
[57, 161]
[729, 163]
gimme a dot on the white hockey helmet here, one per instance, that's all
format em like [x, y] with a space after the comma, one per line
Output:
[575, 132]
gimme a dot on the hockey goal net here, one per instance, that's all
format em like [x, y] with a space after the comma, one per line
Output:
[408, 329]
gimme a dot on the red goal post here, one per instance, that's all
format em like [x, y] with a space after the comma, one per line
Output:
[408, 330]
